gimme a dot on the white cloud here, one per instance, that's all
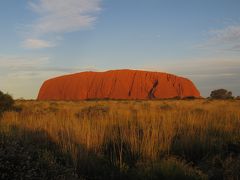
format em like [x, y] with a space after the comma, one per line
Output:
[56, 17]
[225, 39]
[37, 44]
[63, 16]
[228, 34]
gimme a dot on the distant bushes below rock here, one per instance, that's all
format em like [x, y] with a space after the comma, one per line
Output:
[221, 94]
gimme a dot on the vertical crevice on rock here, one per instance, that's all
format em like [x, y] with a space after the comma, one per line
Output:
[130, 91]
[180, 91]
[174, 80]
[146, 80]
[152, 90]
[113, 86]
[168, 77]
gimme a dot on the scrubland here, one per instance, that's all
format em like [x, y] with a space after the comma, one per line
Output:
[168, 139]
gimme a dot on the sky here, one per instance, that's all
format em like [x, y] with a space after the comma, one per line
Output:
[196, 39]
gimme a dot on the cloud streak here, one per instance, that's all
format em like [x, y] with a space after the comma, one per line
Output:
[37, 44]
[207, 74]
[17, 62]
[22, 76]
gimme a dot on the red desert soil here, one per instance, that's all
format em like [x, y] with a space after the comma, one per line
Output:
[117, 84]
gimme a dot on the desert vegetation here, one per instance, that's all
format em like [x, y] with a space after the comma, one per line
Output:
[6, 102]
[171, 139]
[221, 94]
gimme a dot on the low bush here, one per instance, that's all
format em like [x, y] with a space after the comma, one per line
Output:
[6, 102]
[221, 94]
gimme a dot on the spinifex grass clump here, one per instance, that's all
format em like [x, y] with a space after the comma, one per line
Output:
[134, 139]
[92, 112]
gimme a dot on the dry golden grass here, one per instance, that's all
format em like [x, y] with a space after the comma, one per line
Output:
[128, 133]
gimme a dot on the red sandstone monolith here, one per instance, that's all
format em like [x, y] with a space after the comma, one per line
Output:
[117, 84]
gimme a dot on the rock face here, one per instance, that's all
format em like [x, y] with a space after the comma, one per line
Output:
[117, 84]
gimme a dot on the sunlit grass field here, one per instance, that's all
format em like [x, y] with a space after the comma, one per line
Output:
[168, 139]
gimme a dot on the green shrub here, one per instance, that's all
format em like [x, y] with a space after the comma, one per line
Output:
[221, 94]
[6, 102]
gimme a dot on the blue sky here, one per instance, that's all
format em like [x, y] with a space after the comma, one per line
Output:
[40, 39]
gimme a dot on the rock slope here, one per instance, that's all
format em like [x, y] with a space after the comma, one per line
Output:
[117, 84]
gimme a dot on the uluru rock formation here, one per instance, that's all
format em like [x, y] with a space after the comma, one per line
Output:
[117, 84]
